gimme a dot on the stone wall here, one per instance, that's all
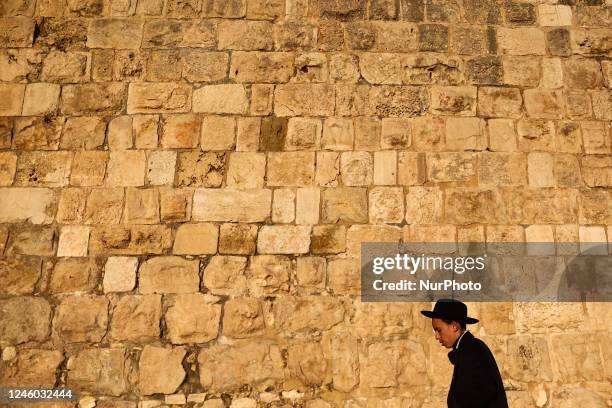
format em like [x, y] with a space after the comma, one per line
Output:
[185, 185]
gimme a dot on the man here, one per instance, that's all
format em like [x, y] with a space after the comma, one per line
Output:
[476, 380]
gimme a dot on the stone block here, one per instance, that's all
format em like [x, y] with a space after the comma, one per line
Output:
[296, 314]
[597, 170]
[396, 133]
[356, 168]
[283, 205]
[467, 40]
[584, 363]
[225, 367]
[265, 10]
[535, 134]
[19, 275]
[33, 205]
[37, 133]
[221, 99]
[396, 101]
[204, 66]
[16, 32]
[115, 33]
[311, 273]
[569, 137]
[135, 318]
[160, 370]
[120, 135]
[161, 167]
[380, 68]
[482, 13]
[595, 137]
[485, 70]
[40, 99]
[465, 133]
[303, 134]
[204, 169]
[411, 169]
[19, 65]
[360, 36]
[81, 319]
[163, 65]
[552, 73]
[175, 204]
[11, 97]
[120, 274]
[558, 41]
[306, 363]
[544, 206]
[246, 35]
[246, 170]
[73, 241]
[104, 206]
[344, 362]
[459, 101]
[230, 205]
[32, 368]
[145, 129]
[48, 169]
[520, 14]
[134, 240]
[24, 319]
[347, 204]
[554, 15]
[304, 100]
[93, 99]
[351, 99]
[261, 67]
[327, 169]
[74, 275]
[225, 275]
[307, 206]
[66, 67]
[293, 35]
[344, 68]
[523, 71]
[540, 167]
[180, 131]
[451, 167]
[71, 205]
[8, 167]
[126, 168]
[433, 37]
[99, 370]
[83, 133]
[386, 205]
[283, 239]
[158, 98]
[536, 367]
[466, 206]
[218, 133]
[196, 239]
[240, 239]
[593, 41]
[169, 274]
[183, 8]
[193, 318]
[338, 134]
[502, 169]
[226, 9]
[582, 73]
[502, 135]
[385, 168]
[268, 275]
[521, 41]
[88, 168]
[494, 102]
[290, 169]
[141, 206]
[544, 104]
[243, 318]
[311, 67]
[343, 276]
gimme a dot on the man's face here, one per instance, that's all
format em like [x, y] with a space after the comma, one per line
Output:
[446, 334]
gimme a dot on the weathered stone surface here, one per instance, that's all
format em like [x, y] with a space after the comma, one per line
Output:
[126, 168]
[158, 98]
[499, 102]
[12, 99]
[597, 171]
[521, 41]
[16, 32]
[92, 99]
[136, 318]
[98, 370]
[218, 133]
[193, 318]
[485, 70]
[62, 33]
[8, 167]
[19, 275]
[202, 66]
[283, 239]
[356, 168]
[134, 240]
[160, 370]
[392, 101]
[240, 239]
[66, 67]
[31, 368]
[296, 314]
[386, 205]
[502, 169]
[196, 239]
[583, 364]
[73, 241]
[50, 169]
[74, 275]
[226, 98]
[120, 274]
[224, 275]
[290, 169]
[451, 167]
[24, 319]
[231, 205]
[115, 33]
[304, 100]
[243, 318]
[471, 205]
[81, 319]
[531, 359]
[32, 241]
[169, 274]
[580, 72]
[83, 133]
[200, 169]
[544, 104]
[224, 367]
[347, 204]
[268, 274]
[20, 65]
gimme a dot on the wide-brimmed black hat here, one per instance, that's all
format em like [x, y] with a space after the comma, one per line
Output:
[450, 309]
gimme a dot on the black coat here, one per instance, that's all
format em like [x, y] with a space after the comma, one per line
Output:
[476, 379]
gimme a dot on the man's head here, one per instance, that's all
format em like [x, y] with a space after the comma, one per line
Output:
[447, 331]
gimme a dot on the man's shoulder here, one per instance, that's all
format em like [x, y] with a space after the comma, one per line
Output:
[474, 345]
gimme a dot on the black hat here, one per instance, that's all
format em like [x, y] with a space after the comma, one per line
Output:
[450, 309]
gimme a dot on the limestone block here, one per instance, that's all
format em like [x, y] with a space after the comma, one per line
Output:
[32, 368]
[126, 168]
[93, 99]
[590, 42]
[195, 168]
[311, 272]
[345, 362]
[163, 33]
[602, 103]
[11, 97]
[544, 104]
[303, 134]
[245, 35]
[34, 205]
[81, 319]
[386, 205]
[388, 319]
[204, 66]
[136, 318]
[524, 71]
[396, 133]
[465, 133]
[50, 169]
[552, 73]
[160, 167]
[306, 363]
[196, 239]
[66, 67]
[535, 134]
[356, 168]
[530, 359]
[261, 67]
[304, 100]
[294, 35]
[411, 169]
[19, 275]
[243, 318]
[225, 98]
[307, 206]
[327, 169]
[398, 101]
[597, 171]
[145, 131]
[417, 69]
[32, 241]
[348, 204]
[104, 206]
[502, 135]
[566, 169]
[17, 65]
[385, 168]
[583, 73]
[88, 168]
[178, 8]
[40, 99]
[595, 137]
[262, 96]
[158, 98]
[24, 319]
[299, 314]
[577, 396]
[360, 36]
[338, 134]
[193, 318]
[502, 169]
[357, 234]
[433, 37]
[83, 133]
[550, 15]
[180, 131]
[352, 100]
[225, 275]
[265, 10]
[231, 205]
[218, 133]
[465, 206]
[540, 169]
[225, 367]
[521, 41]
[289, 169]
[380, 68]
[543, 206]
[175, 204]
[8, 167]
[63, 33]
[134, 240]
[115, 33]
[37, 133]
[268, 274]
[163, 65]
[283, 205]
[74, 275]
[98, 370]
[120, 274]
[558, 41]
[344, 68]
[460, 101]
[311, 67]
[239, 239]
[583, 363]
[367, 133]
[487, 70]
[169, 274]
[73, 241]
[467, 40]
[392, 364]
[451, 167]
[283, 239]
[16, 32]
[499, 102]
